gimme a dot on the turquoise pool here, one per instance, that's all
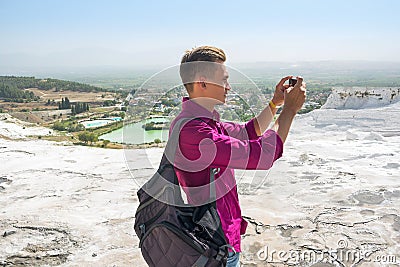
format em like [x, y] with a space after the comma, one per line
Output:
[99, 123]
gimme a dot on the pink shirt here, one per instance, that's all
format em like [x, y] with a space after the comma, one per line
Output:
[206, 143]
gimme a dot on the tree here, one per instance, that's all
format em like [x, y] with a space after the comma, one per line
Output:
[59, 126]
[79, 108]
[105, 143]
[67, 103]
[87, 137]
[157, 141]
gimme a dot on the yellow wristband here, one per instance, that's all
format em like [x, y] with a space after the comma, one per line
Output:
[272, 104]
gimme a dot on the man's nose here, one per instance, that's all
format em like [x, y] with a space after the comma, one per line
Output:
[227, 86]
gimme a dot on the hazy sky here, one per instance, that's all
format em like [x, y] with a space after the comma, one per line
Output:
[95, 32]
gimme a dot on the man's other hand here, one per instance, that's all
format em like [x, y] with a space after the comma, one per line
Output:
[295, 96]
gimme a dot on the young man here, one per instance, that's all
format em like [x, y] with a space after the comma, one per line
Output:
[205, 142]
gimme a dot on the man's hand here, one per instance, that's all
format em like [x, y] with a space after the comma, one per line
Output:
[281, 87]
[294, 100]
[295, 96]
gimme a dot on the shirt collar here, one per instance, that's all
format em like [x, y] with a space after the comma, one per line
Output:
[197, 110]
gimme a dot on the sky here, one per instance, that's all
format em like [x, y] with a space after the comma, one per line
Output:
[51, 33]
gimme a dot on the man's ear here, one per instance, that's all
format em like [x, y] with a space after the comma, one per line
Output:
[202, 81]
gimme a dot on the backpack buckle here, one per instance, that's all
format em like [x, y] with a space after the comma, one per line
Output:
[142, 228]
[216, 170]
[222, 253]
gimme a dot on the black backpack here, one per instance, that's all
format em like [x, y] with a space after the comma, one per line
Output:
[173, 233]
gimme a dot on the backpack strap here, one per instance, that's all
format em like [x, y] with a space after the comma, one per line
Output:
[213, 194]
[201, 261]
[171, 149]
[173, 140]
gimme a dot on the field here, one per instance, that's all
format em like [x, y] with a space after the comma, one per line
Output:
[41, 111]
[73, 96]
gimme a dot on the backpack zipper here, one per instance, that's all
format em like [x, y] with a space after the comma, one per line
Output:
[144, 225]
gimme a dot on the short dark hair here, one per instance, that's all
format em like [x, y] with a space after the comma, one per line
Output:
[203, 53]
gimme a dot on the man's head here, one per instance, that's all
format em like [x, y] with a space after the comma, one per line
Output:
[203, 72]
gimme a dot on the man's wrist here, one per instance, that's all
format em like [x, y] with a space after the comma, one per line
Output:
[273, 105]
[290, 112]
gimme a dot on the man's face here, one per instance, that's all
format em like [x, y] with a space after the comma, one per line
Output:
[218, 86]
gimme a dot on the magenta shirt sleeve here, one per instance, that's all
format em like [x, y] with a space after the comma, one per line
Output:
[241, 131]
[204, 147]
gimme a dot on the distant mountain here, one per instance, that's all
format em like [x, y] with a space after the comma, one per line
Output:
[20, 83]
[76, 59]
[322, 64]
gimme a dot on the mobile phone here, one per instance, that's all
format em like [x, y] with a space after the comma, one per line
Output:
[292, 82]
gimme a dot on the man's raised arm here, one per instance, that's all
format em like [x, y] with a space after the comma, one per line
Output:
[262, 121]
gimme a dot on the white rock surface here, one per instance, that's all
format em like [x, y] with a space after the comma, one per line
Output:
[15, 129]
[335, 189]
[362, 97]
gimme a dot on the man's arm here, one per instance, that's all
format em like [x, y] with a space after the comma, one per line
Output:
[283, 123]
[201, 146]
[257, 126]
[263, 119]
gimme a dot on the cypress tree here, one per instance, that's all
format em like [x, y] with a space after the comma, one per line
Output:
[67, 103]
